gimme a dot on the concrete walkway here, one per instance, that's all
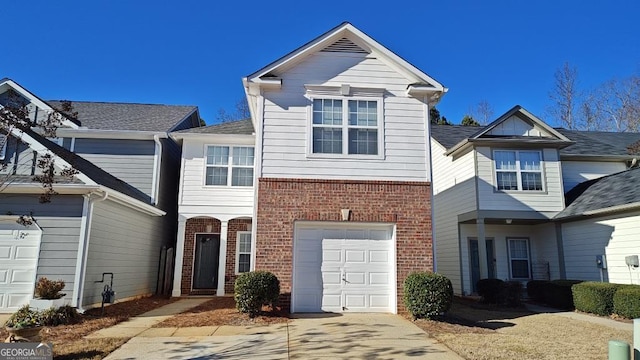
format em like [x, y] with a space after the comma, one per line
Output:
[137, 325]
[618, 325]
[319, 336]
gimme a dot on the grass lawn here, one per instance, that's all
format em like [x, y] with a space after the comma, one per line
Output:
[68, 340]
[491, 333]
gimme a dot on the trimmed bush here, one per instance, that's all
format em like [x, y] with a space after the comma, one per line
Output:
[491, 290]
[49, 289]
[558, 294]
[254, 290]
[427, 294]
[626, 301]
[594, 297]
[63, 315]
[536, 289]
[512, 294]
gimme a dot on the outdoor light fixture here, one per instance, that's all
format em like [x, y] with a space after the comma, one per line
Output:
[345, 214]
[209, 228]
[508, 221]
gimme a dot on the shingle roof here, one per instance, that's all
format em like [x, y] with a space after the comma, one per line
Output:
[239, 127]
[126, 116]
[90, 170]
[586, 142]
[612, 190]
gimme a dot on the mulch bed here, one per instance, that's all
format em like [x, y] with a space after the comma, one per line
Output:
[222, 311]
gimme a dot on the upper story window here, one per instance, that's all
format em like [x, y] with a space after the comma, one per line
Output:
[348, 127]
[229, 165]
[518, 170]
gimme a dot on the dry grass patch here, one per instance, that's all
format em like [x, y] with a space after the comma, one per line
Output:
[68, 339]
[222, 311]
[477, 333]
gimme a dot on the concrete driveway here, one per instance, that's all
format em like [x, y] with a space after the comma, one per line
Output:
[315, 336]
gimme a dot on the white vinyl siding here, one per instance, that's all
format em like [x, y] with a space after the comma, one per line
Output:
[575, 172]
[453, 194]
[549, 200]
[243, 252]
[615, 236]
[286, 146]
[3, 146]
[195, 198]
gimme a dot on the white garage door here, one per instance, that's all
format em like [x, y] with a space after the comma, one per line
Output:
[19, 250]
[343, 269]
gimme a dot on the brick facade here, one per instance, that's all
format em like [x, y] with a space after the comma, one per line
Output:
[199, 225]
[192, 227]
[283, 201]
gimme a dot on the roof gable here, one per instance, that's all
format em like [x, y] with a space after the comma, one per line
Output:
[345, 38]
[521, 123]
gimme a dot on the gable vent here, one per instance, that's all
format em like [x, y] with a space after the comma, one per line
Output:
[345, 45]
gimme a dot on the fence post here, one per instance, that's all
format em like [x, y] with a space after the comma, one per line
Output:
[636, 339]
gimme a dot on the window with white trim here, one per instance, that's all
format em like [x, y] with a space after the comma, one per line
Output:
[518, 170]
[349, 127]
[519, 259]
[243, 252]
[229, 165]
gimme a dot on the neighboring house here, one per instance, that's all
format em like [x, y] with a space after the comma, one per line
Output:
[328, 186]
[501, 188]
[115, 215]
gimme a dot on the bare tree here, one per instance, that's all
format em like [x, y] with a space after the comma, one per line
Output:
[482, 112]
[617, 104]
[240, 112]
[565, 96]
[17, 117]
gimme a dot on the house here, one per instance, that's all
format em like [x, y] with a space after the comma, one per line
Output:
[328, 185]
[499, 198]
[113, 216]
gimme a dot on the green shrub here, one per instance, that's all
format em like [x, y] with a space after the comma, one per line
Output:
[25, 317]
[511, 294]
[63, 315]
[254, 290]
[535, 290]
[594, 297]
[427, 294]
[49, 289]
[491, 290]
[557, 293]
[626, 301]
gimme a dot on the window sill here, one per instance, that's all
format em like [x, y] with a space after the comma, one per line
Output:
[312, 156]
[226, 187]
[532, 192]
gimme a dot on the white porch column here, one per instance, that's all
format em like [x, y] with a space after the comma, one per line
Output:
[177, 272]
[482, 250]
[224, 228]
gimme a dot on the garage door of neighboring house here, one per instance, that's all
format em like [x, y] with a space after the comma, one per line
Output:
[344, 269]
[19, 251]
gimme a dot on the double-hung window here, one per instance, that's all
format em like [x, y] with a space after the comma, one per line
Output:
[519, 258]
[243, 252]
[345, 126]
[229, 165]
[518, 170]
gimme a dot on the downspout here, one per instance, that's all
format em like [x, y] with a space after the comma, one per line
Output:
[157, 159]
[83, 252]
[430, 177]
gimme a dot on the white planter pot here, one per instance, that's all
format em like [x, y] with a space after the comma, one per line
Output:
[41, 304]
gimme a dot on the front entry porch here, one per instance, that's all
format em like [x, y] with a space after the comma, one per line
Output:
[513, 251]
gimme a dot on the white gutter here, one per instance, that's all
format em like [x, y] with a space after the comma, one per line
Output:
[131, 202]
[83, 246]
[109, 134]
[616, 208]
[157, 158]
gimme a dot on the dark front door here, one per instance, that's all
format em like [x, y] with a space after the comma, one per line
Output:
[475, 261]
[205, 274]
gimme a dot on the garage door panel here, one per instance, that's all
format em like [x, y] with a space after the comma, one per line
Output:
[19, 258]
[22, 276]
[5, 252]
[26, 253]
[362, 257]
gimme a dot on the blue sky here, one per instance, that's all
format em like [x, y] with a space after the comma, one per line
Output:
[196, 52]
